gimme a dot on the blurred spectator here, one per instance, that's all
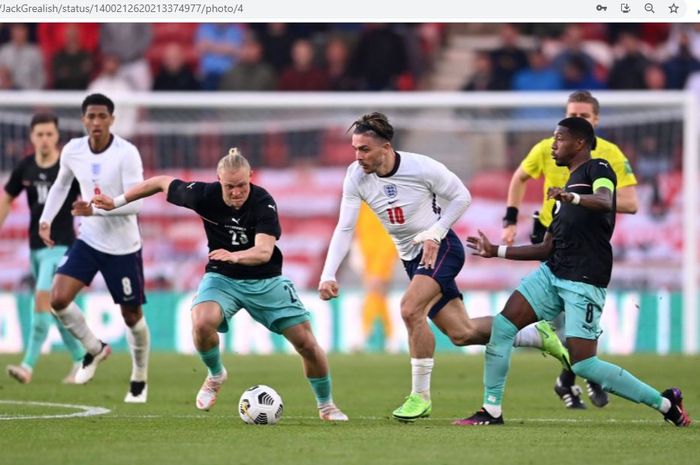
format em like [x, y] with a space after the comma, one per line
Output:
[680, 65]
[508, 58]
[337, 62]
[5, 33]
[572, 42]
[72, 65]
[23, 59]
[6, 82]
[628, 70]
[276, 40]
[219, 47]
[112, 83]
[538, 76]
[129, 42]
[174, 74]
[577, 76]
[654, 77]
[379, 59]
[685, 36]
[417, 63]
[52, 38]
[303, 74]
[251, 73]
[483, 77]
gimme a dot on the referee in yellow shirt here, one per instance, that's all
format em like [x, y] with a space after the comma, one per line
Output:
[539, 162]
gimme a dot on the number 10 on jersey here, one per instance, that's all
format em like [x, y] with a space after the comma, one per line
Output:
[396, 215]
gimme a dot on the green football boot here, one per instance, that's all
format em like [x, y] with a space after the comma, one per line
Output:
[413, 408]
[552, 345]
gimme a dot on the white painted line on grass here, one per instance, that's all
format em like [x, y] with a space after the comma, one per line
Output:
[388, 419]
[85, 410]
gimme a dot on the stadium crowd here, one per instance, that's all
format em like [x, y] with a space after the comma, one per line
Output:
[343, 57]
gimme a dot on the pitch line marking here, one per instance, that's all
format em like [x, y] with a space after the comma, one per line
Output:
[85, 410]
[422, 420]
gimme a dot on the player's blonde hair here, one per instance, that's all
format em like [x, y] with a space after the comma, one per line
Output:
[233, 161]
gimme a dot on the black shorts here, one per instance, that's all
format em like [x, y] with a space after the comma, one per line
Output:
[123, 274]
[448, 264]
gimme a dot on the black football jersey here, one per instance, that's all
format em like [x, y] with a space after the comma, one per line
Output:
[37, 181]
[232, 229]
[582, 249]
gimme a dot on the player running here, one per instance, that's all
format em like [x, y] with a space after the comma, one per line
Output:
[244, 271]
[108, 242]
[573, 278]
[402, 189]
[35, 174]
[538, 163]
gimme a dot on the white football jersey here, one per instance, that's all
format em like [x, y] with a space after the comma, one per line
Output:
[405, 201]
[111, 172]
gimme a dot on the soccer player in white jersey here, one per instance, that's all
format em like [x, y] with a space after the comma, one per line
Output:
[108, 242]
[403, 189]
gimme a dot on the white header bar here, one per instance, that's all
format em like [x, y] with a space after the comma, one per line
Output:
[452, 11]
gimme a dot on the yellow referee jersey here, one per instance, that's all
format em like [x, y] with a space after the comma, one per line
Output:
[540, 162]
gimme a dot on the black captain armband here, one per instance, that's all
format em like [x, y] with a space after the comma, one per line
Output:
[511, 216]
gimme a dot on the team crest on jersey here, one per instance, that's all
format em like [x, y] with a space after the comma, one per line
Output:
[390, 190]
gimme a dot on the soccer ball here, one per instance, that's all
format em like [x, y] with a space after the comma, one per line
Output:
[260, 405]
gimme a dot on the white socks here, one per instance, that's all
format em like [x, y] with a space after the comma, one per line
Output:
[528, 337]
[493, 410]
[74, 321]
[665, 405]
[138, 338]
[421, 369]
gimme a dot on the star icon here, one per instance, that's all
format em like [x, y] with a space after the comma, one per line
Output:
[673, 8]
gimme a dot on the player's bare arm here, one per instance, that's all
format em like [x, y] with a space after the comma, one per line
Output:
[145, 189]
[484, 248]
[516, 193]
[627, 201]
[260, 253]
[600, 200]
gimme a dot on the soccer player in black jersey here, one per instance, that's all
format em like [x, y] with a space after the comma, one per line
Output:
[573, 278]
[35, 174]
[244, 271]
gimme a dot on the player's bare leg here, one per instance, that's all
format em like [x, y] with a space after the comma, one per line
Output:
[454, 321]
[206, 318]
[421, 343]
[316, 369]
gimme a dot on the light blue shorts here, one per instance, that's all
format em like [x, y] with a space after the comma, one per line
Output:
[44, 263]
[272, 302]
[549, 296]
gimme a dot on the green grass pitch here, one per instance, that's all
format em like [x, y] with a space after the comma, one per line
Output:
[170, 430]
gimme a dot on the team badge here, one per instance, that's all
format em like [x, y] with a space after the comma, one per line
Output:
[390, 190]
